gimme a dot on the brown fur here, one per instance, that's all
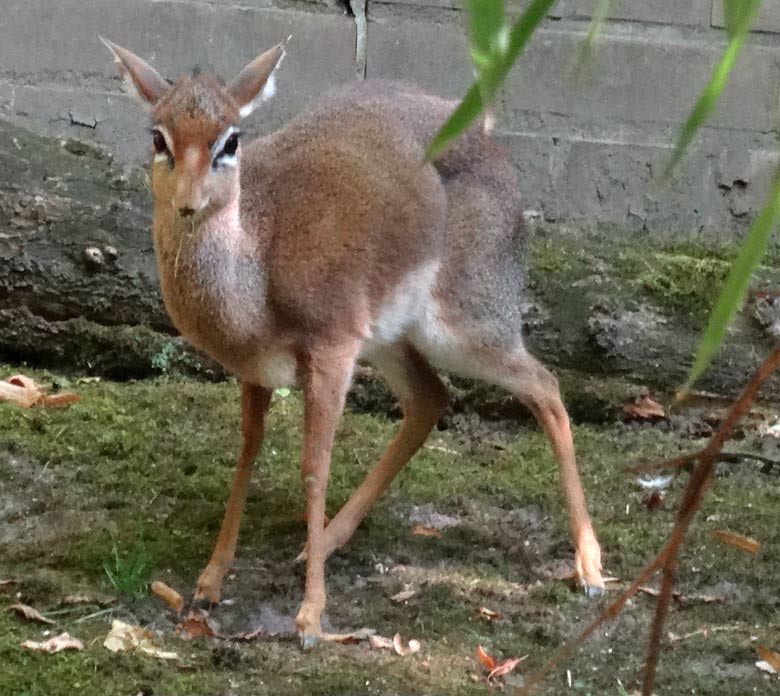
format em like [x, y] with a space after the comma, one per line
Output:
[334, 244]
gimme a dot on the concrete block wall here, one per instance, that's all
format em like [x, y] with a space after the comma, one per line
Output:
[587, 149]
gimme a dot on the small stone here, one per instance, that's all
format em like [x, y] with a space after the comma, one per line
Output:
[93, 257]
[111, 252]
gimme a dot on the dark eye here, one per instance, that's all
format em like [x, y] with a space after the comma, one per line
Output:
[158, 140]
[231, 145]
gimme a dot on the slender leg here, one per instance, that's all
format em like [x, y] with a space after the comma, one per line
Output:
[423, 399]
[255, 401]
[328, 377]
[538, 390]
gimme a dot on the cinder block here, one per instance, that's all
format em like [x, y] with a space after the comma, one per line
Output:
[175, 37]
[685, 12]
[636, 80]
[561, 8]
[768, 16]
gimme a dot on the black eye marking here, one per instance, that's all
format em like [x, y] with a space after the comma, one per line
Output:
[161, 146]
[158, 140]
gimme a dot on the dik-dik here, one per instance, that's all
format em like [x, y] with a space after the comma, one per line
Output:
[296, 256]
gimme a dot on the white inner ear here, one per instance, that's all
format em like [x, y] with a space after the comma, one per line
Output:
[268, 91]
[129, 86]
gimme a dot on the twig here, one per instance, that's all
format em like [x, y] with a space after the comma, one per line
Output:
[700, 480]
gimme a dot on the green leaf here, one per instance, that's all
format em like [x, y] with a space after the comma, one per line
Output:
[736, 285]
[492, 73]
[738, 14]
[739, 20]
[587, 47]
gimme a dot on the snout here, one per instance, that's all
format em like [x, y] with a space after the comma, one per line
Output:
[189, 200]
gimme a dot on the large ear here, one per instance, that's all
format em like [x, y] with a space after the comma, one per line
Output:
[256, 82]
[141, 79]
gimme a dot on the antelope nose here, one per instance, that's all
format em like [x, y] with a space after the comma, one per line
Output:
[186, 211]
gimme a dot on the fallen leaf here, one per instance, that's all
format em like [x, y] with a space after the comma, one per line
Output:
[75, 599]
[412, 647]
[168, 595]
[771, 657]
[195, 625]
[489, 614]
[505, 667]
[744, 543]
[349, 638]
[87, 380]
[685, 600]
[403, 595]
[27, 612]
[654, 501]
[55, 645]
[644, 408]
[26, 392]
[247, 637]
[420, 530]
[380, 642]
[125, 637]
[8, 585]
[488, 662]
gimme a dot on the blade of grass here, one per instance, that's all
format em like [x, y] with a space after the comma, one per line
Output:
[738, 22]
[736, 285]
[492, 77]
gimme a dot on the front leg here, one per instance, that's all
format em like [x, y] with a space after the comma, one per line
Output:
[328, 374]
[255, 401]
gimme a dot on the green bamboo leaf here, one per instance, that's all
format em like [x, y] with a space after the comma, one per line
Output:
[587, 48]
[736, 286]
[739, 20]
[737, 13]
[492, 76]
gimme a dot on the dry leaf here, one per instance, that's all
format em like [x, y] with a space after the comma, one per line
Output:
[420, 530]
[398, 646]
[30, 614]
[644, 408]
[403, 595]
[124, 637]
[744, 543]
[349, 638]
[75, 599]
[380, 642]
[26, 392]
[168, 595]
[685, 600]
[771, 657]
[489, 614]
[87, 380]
[195, 625]
[505, 667]
[8, 585]
[488, 662]
[55, 645]
[247, 637]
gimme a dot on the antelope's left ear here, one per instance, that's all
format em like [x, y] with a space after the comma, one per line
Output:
[256, 82]
[142, 79]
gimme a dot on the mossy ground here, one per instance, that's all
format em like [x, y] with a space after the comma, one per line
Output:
[145, 467]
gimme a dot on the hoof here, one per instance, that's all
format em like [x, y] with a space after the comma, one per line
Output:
[308, 640]
[592, 591]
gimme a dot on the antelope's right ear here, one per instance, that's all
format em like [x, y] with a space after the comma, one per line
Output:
[142, 79]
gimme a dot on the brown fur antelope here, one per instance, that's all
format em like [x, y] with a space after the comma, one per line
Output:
[295, 257]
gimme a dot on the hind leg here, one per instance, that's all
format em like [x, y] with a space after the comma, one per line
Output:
[535, 387]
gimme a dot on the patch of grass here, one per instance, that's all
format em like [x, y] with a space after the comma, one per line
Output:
[130, 570]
